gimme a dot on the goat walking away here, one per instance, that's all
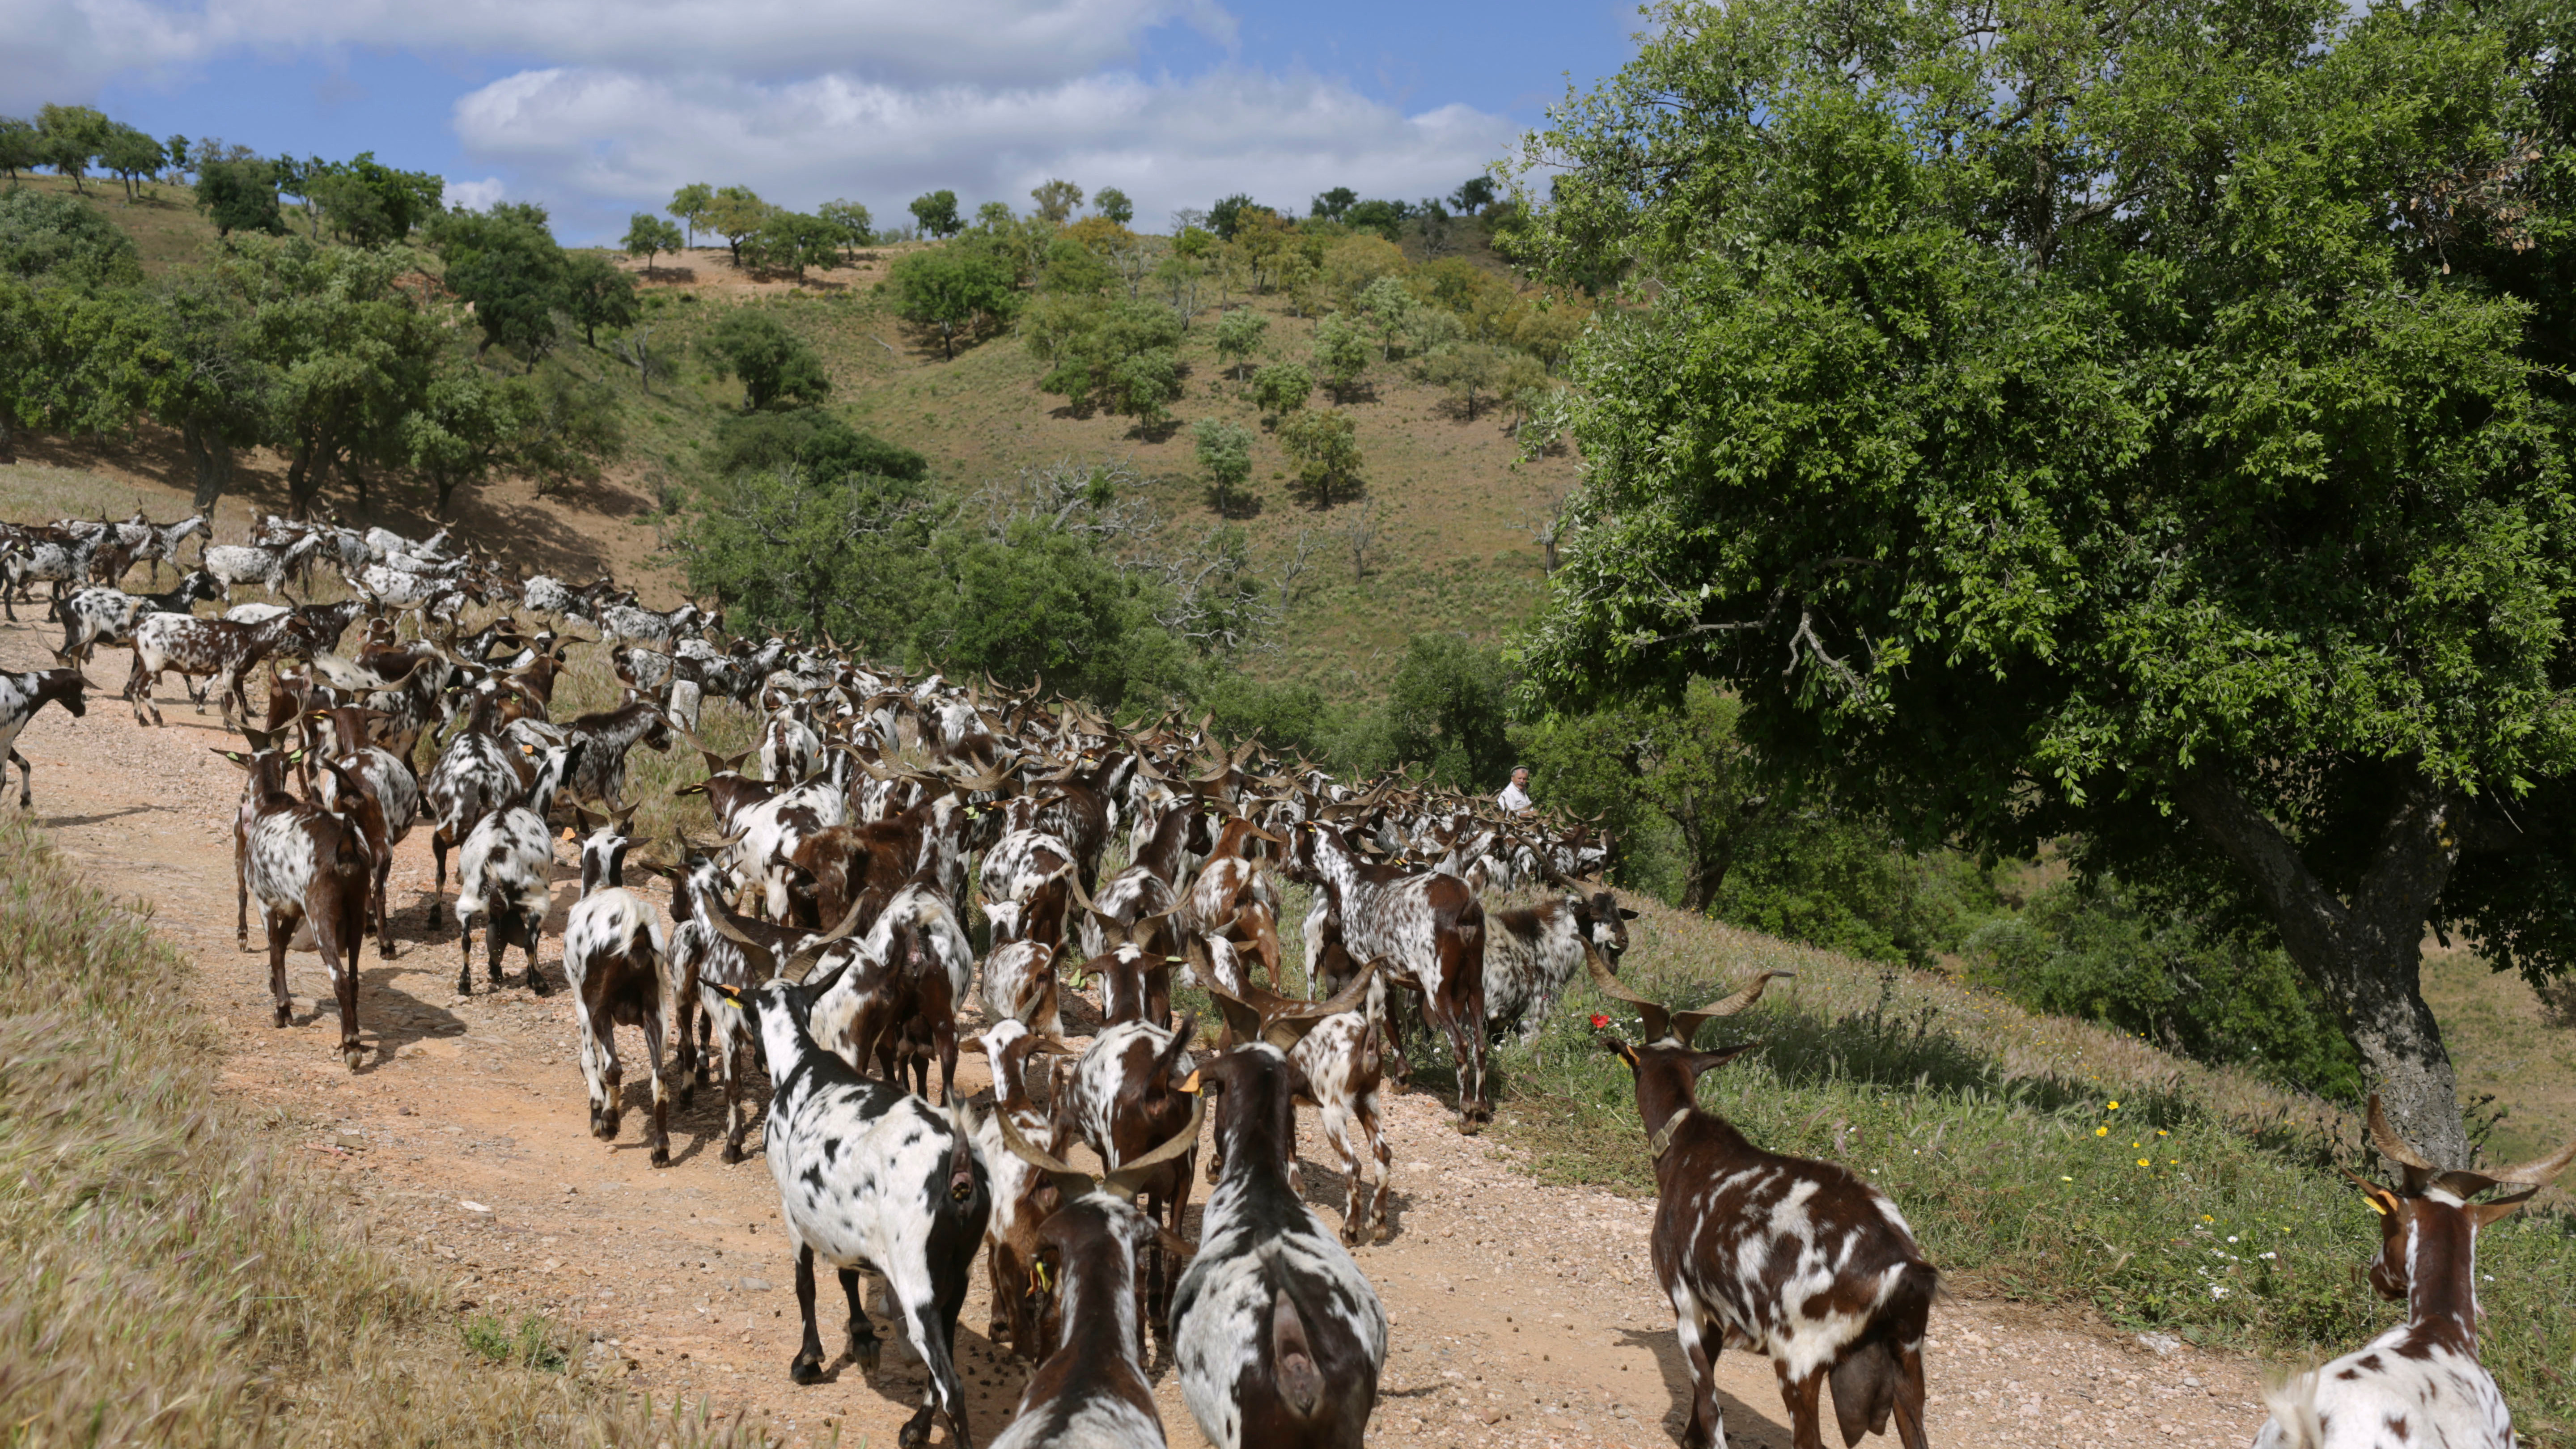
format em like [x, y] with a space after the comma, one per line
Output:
[506, 876]
[1333, 1044]
[1278, 1336]
[308, 866]
[613, 961]
[1796, 1259]
[870, 1175]
[2420, 1383]
[1022, 1198]
[1091, 1390]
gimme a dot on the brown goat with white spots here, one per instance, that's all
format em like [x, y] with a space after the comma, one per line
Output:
[1802, 1261]
[2419, 1385]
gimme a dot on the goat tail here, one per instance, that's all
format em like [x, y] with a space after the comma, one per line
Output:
[2294, 1423]
[1292, 1358]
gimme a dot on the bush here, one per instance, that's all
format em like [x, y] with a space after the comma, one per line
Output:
[1281, 388]
[952, 291]
[2094, 950]
[1324, 449]
[43, 234]
[774, 364]
[1120, 356]
[811, 441]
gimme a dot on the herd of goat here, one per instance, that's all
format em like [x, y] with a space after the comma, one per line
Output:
[823, 931]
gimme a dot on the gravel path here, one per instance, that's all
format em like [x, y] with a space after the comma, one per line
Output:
[1523, 1314]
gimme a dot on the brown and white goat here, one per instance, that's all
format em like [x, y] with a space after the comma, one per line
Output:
[1800, 1260]
[1091, 1389]
[1124, 1097]
[1333, 1044]
[2420, 1383]
[308, 866]
[1022, 1198]
[388, 807]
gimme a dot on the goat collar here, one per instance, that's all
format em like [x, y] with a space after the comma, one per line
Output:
[1662, 1137]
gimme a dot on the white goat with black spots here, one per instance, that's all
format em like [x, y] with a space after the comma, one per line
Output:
[1277, 1334]
[870, 1175]
[21, 695]
[1532, 951]
[505, 876]
[103, 615]
[2419, 1385]
[234, 564]
[613, 961]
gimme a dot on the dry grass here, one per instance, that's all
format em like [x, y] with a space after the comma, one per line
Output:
[172, 1279]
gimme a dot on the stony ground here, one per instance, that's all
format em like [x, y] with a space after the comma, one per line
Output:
[1522, 1313]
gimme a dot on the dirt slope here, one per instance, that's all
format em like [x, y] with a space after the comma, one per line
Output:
[1522, 1314]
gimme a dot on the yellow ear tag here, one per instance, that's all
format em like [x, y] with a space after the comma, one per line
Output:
[1192, 1085]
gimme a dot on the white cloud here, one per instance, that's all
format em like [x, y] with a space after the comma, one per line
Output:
[474, 195]
[611, 137]
[877, 100]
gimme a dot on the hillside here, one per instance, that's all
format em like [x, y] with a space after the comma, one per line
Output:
[1448, 500]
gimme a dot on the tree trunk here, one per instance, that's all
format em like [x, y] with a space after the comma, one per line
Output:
[8, 439]
[210, 460]
[2365, 954]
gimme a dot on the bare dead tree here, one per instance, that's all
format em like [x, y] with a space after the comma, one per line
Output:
[1546, 526]
[636, 350]
[1359, 532]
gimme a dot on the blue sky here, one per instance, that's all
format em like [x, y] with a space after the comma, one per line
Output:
[597, 108]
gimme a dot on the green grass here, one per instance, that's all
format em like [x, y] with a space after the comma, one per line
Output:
[173, 1278]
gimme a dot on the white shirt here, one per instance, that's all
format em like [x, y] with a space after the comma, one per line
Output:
[1514, 799]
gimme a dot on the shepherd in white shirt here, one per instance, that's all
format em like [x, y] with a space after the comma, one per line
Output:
[1515, 798]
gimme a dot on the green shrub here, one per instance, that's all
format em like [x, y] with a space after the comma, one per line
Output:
[2094, 951]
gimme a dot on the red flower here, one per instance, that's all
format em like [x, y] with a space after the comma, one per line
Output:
[1599, 1021]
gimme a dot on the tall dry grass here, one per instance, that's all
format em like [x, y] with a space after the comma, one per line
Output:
[170, 1277]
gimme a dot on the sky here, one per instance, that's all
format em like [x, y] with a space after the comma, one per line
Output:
[598, 109]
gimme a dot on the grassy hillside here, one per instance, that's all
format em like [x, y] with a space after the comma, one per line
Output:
[1449, 498]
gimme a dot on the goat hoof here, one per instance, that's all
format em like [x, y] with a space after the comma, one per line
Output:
[915, 1434]
[1384, 1233]
[661, 1157]
[352, 1054]
[732, 1154]
[806, 1370]
[603, 1126]
[285, 1016]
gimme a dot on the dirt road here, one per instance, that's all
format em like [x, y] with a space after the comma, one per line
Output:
[1522, 1314]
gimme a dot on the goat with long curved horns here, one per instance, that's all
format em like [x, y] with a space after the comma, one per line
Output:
[1797, 1259]
[2420, 1382]
[1091, 1388]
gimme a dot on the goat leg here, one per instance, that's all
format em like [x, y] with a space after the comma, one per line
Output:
[26, 779]
[536, 932]
[1707, 1418]
[438, 862]
[465, 954]
[1800, 1397]
[860, 1342]
[280, 931]
[661, 1090]
[807, 1366]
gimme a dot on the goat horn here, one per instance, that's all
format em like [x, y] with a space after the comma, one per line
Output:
[1130, 1176]
[1243, 1020]
[2395, 1148]
[1689, 1022]
[1658, 1021]
[1070, 1182]
[2535, 1173]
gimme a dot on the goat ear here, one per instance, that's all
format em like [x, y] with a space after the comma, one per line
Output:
[1627, 915]
[1704, 1061]
[236, 756]
[1625, 1052]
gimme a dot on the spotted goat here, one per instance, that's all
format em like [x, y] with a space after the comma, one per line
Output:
[1799, 1260]
[2419, 1385]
